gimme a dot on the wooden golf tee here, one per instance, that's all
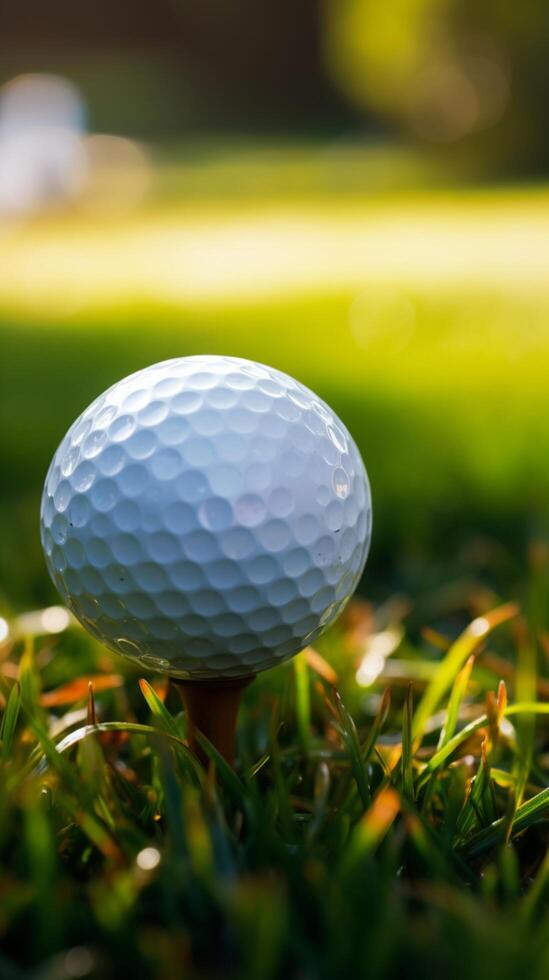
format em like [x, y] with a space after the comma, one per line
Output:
[211, 708]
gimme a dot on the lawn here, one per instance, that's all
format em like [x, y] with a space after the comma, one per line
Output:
[388, 813]
[407, 842]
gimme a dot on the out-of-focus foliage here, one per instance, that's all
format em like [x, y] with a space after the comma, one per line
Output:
[375, 50]
[466, 77]
[389, 807]
[471, 75]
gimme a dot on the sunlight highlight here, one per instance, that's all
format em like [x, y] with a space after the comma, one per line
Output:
[148, 859]
[242, 256]
[379, 647]
[479, 626]
[54, 619]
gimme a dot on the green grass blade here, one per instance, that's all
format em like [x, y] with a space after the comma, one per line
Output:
[226, 774]
[531, 812]
[349, 735]
[320, 801]
[478, 809]
[9, 720]
[457, 655]
[28, 678]
[372, 827]
[302, 701]
[74, 793]
[377, 726]
[158, 709]
[456, 697]
[281, 788]
[526, 687]
[407, 760]
[256, 768]
[523, 708]
[132, 728]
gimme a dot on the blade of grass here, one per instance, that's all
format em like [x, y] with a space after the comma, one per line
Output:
[349, 735]
[74, 793]
[9, 720]
[441, 859]
[320, 801]
[447, 731]
[90, 707]
[372, 827]
[226, 773]
[302, 701]
[28, 677]
[344, 795]
[172, 793]
[456, 697]
[41, 852]
[478, 808]
[407, 746]
[256, 768]
[320, 665]
[531, 812]
[523, 708]
[132, 728]
[526, 687]
[377, 726]
[281, 788]
[452, 663]
[159, 711]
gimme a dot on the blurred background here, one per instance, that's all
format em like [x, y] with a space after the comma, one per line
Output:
[351, 191]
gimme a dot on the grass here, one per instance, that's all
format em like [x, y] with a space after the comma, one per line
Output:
[395, 829]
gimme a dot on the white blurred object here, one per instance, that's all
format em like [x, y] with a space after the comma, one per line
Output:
[41, 622]
[47, 159]
[41, 125]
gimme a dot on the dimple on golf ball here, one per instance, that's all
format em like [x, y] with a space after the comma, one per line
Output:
[207, 517]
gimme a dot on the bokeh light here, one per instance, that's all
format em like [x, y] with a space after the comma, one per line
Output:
[453, 98]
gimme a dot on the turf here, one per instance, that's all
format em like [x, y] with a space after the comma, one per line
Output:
[392, 827]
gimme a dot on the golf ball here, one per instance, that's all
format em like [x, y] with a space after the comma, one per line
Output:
[206, 517]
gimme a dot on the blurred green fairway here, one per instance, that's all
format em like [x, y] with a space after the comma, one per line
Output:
[421, 315]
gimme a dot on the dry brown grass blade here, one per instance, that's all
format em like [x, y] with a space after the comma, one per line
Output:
[436, 639]
[320, 666]
[78, 689]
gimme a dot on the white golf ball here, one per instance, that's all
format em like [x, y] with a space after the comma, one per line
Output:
[207, 517]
